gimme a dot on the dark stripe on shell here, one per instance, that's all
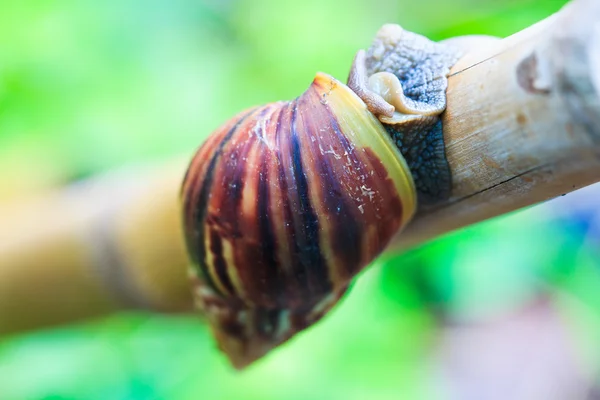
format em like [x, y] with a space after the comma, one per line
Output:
[195, 234]
[297, 283]
[227, 199]
[268, 264]
[219, 263]
[307, 234]
[346, 226]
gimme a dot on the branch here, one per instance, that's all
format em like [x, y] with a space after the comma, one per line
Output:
[522, 123]
[522, 126]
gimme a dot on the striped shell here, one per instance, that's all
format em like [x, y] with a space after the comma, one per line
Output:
[282, 206]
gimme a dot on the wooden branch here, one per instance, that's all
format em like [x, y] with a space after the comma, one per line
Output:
[522, 123]
[522, 126]
[109, 244]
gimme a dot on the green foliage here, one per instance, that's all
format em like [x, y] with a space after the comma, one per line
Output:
[86, 86]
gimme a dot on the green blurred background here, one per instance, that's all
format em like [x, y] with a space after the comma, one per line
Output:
[506, 309]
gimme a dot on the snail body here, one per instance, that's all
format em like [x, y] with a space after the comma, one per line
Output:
[285, 203]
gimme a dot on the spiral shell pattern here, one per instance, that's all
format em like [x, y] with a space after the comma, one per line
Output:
[282, 206]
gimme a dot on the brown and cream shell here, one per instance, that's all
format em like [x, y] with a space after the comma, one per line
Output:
[283, 206]
[285, 203]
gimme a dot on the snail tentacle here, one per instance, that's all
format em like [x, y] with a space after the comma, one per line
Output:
[358, 82]
[420, 64]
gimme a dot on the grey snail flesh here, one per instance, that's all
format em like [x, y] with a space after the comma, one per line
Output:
[285, 203]
[420, 68]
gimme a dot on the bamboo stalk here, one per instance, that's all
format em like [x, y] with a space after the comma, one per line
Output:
[522, 126]
[109, 244]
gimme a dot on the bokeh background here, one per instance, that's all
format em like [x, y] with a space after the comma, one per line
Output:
[508, 309]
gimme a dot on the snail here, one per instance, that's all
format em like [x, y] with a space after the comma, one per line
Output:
[285, 203]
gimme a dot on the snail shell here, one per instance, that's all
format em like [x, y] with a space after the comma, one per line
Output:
[285, 203]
